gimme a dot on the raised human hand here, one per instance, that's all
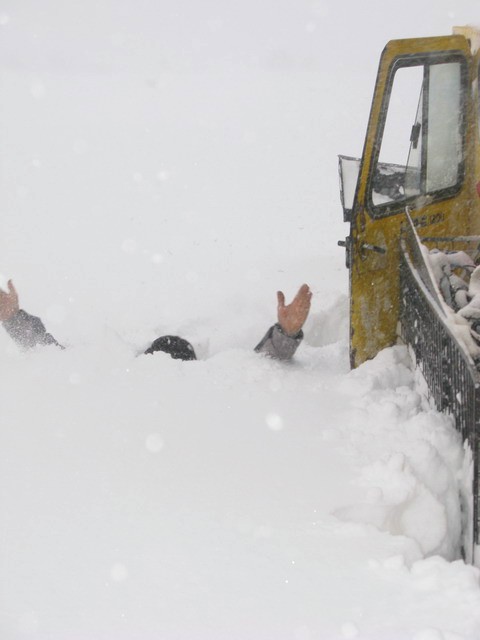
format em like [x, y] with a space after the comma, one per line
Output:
[8, 302]
[291, 317]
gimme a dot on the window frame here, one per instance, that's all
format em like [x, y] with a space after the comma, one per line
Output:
[426, 60]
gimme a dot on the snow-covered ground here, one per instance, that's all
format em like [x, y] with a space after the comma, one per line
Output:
[167, 169]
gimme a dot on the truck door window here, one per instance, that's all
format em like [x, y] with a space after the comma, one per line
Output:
[444, 146]
[389, 177]
[422, 144]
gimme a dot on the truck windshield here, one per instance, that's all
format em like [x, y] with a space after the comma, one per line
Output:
[421, 152]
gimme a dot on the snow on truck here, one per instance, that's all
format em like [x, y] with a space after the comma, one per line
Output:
[413, 204]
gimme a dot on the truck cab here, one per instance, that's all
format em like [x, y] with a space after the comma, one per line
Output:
[421, 154]
[414, 193]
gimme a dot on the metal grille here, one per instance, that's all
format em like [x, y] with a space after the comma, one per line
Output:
[453, 381]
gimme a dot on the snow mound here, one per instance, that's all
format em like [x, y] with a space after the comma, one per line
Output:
[411, 456]
[328, 325]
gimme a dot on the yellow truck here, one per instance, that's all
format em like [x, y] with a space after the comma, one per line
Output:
[415, 191]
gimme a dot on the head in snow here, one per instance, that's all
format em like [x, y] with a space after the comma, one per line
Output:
[176, 347]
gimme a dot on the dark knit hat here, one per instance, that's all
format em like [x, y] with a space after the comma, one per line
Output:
[178, 348]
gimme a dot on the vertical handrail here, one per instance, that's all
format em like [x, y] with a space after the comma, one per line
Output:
[452, 379]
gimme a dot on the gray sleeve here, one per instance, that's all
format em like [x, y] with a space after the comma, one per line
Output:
[28, 331]
[277, 344]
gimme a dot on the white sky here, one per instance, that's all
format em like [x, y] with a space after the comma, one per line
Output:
[268, 142]
[318, 34]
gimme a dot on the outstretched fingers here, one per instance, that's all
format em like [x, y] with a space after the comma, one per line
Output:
[292, 316]
[303, 298]
[304, 293]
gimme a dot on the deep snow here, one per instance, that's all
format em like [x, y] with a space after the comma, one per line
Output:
[167, 170]
[234, 496]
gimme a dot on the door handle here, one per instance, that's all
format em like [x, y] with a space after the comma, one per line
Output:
[372, 247]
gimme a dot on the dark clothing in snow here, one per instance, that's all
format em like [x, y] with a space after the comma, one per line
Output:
[177, 347]
[29, 331]
[278, 344]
